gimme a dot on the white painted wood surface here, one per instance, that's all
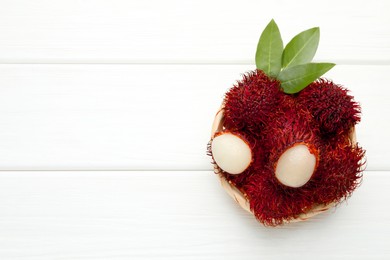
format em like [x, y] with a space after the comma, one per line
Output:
[134, 85]
[168, 215]
[101, 31]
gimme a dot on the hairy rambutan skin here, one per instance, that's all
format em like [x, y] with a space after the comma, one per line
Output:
[321, 117]
[330, 105]
[273, 203]
[336, 179]
[251, 102]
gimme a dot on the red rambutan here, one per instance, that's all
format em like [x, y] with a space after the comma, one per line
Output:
[331, 106]
[250, 103]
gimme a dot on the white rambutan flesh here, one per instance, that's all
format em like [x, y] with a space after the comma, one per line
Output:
[295, 166]
[231, 153]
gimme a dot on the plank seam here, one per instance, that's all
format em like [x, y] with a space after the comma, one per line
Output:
[192, 62]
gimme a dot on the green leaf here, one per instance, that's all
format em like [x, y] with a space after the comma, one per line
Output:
[269, 50]
[302, 48]
[296, 78]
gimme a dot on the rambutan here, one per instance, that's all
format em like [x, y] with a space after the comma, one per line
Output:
[337, 177]
[249, 104]
[331, 106]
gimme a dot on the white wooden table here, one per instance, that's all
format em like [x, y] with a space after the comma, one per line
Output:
[105, 113]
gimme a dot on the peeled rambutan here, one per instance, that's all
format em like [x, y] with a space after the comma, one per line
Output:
[257, 155]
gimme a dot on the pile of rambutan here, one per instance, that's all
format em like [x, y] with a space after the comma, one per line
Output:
[283, 140]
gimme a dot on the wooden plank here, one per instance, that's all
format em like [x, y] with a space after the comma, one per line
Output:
[163, 215]
[173, 31]
[145, 117]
